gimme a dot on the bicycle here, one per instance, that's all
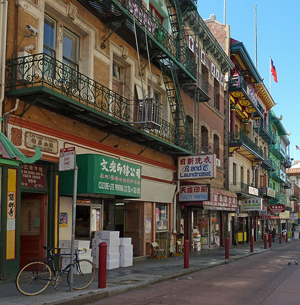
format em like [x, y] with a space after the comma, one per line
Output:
[36, 276]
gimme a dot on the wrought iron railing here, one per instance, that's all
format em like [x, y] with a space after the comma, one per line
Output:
[42, 70]
[144, 17]
[240, 137]
[241, 187]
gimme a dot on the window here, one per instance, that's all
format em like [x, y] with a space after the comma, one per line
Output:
[70, 49]
[49, 36]
[216, 146]
[234, 174]
[190, 123]
[116, 71]
[242, 174]
[204, 137]
[156, 14]
[248, 177]
[216, 94]
[161, 212]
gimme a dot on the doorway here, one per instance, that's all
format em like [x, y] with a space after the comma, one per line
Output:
[32, 227]
[132, 228]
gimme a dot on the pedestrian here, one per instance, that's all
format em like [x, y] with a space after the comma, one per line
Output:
[283, 233]
[273, 234]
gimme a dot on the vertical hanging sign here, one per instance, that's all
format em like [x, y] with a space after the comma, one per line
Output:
[11, 214]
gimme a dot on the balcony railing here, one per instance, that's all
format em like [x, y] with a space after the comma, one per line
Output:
[243, 188]
[145, 18]
[241, 138]
[238, 83]
[48, 76]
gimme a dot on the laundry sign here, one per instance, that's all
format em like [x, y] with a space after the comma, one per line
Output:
[197, 167]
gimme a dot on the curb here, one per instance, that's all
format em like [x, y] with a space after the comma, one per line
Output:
[96, 296]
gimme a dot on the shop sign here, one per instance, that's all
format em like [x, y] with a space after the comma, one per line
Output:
[33, 176]
[220, 201]
[194, 193]
[32, 140]
[253, 204]
[197, 167]
[294, 216]
[253, 191]
[271, 193]
[277, 208]
[99, 174]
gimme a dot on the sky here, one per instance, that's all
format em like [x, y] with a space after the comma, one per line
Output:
[278, 36]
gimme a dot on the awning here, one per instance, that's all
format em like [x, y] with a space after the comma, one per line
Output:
[11, 155]
[268, 216]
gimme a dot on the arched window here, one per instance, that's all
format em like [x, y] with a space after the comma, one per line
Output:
[190, 123]
[204, 138]
[217, 146]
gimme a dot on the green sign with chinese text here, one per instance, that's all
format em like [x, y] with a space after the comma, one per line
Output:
[98, 174]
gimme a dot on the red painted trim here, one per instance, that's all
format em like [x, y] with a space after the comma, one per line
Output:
[80, 140]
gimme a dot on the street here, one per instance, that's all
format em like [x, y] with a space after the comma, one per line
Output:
[271, 277]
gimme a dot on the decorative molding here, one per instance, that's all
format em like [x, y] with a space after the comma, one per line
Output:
[72, 11]
[125, 52]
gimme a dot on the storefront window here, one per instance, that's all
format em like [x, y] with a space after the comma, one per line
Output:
[215, 228]
[161, 212]
[201, 223]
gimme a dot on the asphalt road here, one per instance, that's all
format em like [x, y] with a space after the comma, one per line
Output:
[268, 278]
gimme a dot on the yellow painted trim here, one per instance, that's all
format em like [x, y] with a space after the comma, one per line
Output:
[56, 214]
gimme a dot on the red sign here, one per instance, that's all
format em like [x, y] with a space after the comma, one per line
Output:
[67, 159]
[277, 208]
[33, 176]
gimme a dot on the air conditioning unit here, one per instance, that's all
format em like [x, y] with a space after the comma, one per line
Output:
[25, 69]
[218, 162]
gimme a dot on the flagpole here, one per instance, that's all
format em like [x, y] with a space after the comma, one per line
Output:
[270, 77]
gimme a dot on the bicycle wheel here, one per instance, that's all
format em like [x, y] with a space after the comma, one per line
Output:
[34, 278]
[83, 274]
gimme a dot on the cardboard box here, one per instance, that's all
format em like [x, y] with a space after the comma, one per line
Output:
[113, 257]
[114, 249]
[126, 248]
[64, 243]
[112, 242]
[96, 242]
[112, 264]
[77, 243]
[126, 262]
[125, 241]
[109, 234]
[126, 255]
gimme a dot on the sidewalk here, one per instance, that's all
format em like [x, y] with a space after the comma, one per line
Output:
[144, 272]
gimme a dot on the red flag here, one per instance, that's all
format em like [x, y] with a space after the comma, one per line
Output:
[273, 71]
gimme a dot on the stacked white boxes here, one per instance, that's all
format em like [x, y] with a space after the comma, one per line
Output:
[65, 248]
[111, 238]
[126, 252]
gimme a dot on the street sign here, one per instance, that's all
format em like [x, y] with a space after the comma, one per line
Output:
[67, 158]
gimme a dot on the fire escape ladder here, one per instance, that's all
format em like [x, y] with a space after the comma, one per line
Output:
[182, 130]
[176, 23]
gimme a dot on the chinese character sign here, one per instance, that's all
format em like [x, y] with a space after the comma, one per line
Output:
[194, 193]
[197, 167]
[117, 177]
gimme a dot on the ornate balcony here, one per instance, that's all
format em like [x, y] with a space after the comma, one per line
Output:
[245, 146]
[238, 84]
[44, 81]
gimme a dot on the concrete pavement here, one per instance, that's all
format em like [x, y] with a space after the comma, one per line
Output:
[143, 272]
